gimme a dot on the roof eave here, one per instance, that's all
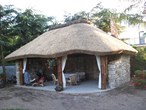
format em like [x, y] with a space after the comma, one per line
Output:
[8, 58]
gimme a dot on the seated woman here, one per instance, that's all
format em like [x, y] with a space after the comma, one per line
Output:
[40, 81]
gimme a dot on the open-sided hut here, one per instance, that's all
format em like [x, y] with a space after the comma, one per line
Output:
[79, 47]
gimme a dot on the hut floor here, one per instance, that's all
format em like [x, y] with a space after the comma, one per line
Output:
[84, 87]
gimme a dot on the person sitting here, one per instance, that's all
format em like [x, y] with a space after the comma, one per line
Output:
[33, 76]
[40, 82]
[26, 78]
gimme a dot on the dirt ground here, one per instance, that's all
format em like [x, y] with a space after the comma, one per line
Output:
[123, 98]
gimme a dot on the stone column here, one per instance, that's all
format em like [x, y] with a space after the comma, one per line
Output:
[119, 71]
[17, 73]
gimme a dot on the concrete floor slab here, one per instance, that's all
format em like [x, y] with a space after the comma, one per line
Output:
[82, 88]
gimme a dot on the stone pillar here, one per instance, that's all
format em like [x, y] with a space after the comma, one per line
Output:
[119, 71]
[17, 73]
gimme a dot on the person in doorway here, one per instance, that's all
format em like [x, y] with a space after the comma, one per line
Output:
[27, 77]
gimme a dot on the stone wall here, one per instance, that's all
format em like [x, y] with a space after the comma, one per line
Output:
[119, 71]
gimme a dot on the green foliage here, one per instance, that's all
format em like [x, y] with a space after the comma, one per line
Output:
[18, 27]
[103, 17]
[76, 16]
[139, 80]
[138, 62]
[135, 4]
[103, 21]
[2, 75]
[7, 17]
[28, 26]
[137, 72]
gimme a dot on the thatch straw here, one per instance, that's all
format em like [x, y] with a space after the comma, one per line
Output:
[75, 38]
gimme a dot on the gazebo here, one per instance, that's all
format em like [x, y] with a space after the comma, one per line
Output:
[99, 55]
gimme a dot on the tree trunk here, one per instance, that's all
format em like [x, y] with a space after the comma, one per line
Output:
[3, 60]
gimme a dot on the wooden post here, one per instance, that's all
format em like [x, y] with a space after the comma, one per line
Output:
[104, 67]
[21, 71]
[59, 70]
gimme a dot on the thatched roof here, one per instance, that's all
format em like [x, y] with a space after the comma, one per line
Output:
[75, 38]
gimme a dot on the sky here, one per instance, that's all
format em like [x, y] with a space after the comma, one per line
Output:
[58, 8]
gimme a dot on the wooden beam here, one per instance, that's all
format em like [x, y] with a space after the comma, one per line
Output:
[21, 71]
[59, 70]
[17, 73]
[104, 68]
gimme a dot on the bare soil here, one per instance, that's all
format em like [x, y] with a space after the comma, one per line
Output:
[125, 97]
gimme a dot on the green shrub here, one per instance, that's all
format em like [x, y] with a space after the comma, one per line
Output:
[138, 62]
[137, 72]
[139, 83]
[3, 77]
[139, 80]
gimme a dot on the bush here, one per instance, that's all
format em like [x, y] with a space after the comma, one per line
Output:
[3, 76]
[138, 62]
[139, 79]
[2, 80]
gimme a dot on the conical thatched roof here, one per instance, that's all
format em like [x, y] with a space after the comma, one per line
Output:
[75, 38]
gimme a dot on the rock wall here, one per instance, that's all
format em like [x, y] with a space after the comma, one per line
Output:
[119, 71]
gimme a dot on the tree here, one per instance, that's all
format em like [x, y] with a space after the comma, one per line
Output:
[7, 16]
[103, 18]
[28, 26]
[76, 16]
[136, 5]
[108, 20]
[138, 61]
[19, 27]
